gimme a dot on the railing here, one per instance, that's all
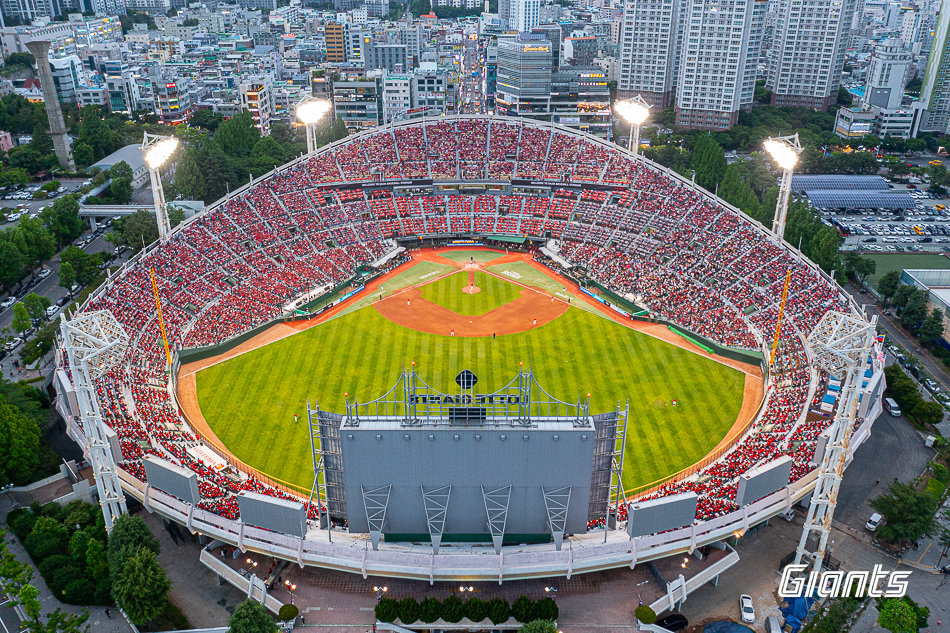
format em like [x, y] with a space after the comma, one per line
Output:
[349, 552]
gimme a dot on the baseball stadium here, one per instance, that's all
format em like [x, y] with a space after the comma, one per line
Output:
[444, 348]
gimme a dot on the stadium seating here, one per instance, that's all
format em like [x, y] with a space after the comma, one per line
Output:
[652, 239]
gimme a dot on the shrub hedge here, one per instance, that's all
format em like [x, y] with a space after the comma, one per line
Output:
[452, 609]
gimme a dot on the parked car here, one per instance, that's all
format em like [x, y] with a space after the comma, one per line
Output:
[44, 273]
[13, 344]
[51, 311]
[62, 300]
[746, 608]
[8, 302]
[873, 522]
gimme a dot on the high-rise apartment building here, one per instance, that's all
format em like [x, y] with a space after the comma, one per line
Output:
[650, 40]
[935, 92]
[808, 50]
[717, 69]
[524, 15]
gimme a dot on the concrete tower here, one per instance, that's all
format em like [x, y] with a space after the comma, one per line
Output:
[57, 126]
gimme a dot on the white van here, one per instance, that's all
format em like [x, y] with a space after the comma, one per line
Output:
[874, 522]
[891, 407]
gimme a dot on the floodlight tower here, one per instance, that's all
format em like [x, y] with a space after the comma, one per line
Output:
[158, 149]
[784, 150]
[841, 344]
[309, 112]
[95, 342]
[634, 111]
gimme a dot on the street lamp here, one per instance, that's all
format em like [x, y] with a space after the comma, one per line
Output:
[157, 150]
[784, 150]
[634, 111]
[291, 588]
[380, 592]
[551, 590]
[308, 113]
[469, 589]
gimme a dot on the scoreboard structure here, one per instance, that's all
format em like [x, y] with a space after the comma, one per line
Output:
[512, 466]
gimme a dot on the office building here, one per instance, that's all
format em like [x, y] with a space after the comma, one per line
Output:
[717, 70]
[808, 49]
[523, 84]
[935, 92]
[334, 35]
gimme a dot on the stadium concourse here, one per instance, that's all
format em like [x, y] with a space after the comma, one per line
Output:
[636, 229]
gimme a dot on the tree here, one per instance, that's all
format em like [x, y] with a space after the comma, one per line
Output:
[476, 609]
[896, 616]
[452, 609]
[927, 412]
[206, 119]
[498, 610]
[546, 609]
[34, 241]
[136, 230]
[62, 219]
[267, 154]
[83, 154]
[858, 266]
[128, 535]
[36, 305]
[21, 318]
[387, 610]
[914, 312]
[83, 264]
[67, 275]
[48, 537]
[19, 444]
[189, 181]
[237, 136]
[141, 587]
[644, 613]
[408, 610]
[538, 626]
[523, 609]
[26, 157]
[11, 262]
[932, 328]
[944, 539]
[709, 162]
[429, 610]
[888, 284]
[908, 514]
[250, 617]
[55, 622]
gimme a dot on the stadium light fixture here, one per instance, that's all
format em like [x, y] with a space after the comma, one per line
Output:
[157, 150]
[309, 113]
[634, 111]
[784, 150]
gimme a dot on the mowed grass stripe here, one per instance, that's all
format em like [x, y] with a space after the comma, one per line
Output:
[447, 292]
[249, 401]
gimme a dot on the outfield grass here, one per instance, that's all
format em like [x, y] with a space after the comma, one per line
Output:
[250, 400]
[886, 262]
[447, 292]
[464, 256]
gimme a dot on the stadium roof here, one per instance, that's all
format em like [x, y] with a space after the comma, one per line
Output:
[851, 199]
[826, 182]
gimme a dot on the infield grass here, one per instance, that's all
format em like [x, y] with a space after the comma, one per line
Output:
[493, 293]
[250, 400]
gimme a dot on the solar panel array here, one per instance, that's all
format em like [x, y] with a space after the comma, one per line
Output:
[803, 183]
[838, 199]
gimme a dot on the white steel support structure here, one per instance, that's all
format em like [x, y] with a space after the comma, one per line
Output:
[95, 342]
[786, 160]
[841, 344]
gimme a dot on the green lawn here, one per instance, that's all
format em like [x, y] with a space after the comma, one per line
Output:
[464, 256]
[250, 400]
[899, 261]
[447, 292]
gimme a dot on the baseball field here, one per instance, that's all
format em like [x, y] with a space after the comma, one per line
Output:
[453, 312]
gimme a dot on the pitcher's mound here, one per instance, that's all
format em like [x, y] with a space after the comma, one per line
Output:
[470, 290]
